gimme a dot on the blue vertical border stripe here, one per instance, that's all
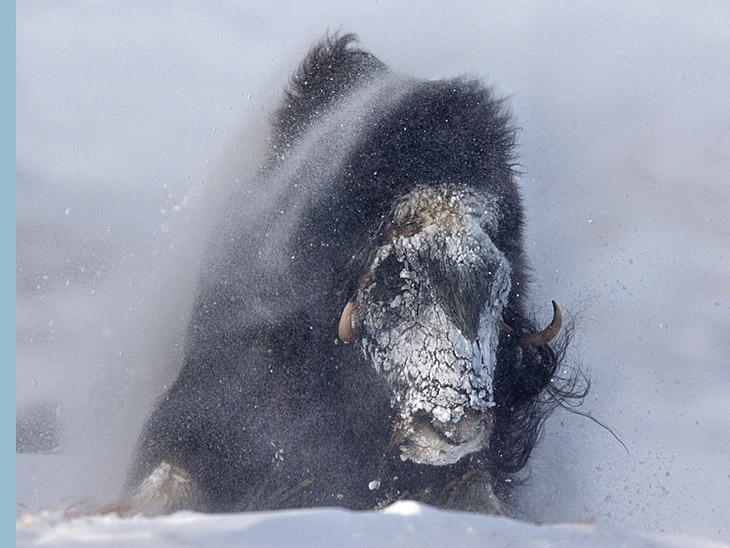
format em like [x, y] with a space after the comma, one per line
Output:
[7, 329]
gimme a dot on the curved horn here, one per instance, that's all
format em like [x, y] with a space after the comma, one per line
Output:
[346, 331]
[547, 334]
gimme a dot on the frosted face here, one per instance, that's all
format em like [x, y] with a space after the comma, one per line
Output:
[428, 312]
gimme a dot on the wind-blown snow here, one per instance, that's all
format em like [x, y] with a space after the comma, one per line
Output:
[130, 115]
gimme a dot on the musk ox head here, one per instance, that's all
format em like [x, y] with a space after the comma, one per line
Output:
[428, 316]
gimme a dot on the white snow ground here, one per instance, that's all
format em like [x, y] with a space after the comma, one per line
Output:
[129, 112]
[405, 523]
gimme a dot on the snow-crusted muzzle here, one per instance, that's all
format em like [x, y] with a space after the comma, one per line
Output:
[428, 313]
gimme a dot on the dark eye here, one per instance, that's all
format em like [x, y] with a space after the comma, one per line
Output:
[387, 278]
[392, 280]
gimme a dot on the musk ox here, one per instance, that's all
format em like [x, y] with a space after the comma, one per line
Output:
[360, 332]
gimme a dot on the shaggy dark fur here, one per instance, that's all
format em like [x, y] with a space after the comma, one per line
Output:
[270, 410]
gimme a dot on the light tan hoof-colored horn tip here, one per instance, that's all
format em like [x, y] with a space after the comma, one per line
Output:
[346, 331]
[546, 335]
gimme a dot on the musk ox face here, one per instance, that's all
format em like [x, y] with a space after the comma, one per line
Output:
[427, 315]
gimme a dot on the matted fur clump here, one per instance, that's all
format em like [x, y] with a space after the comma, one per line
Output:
[360, 333]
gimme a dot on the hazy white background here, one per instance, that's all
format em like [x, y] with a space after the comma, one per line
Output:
[129, 114]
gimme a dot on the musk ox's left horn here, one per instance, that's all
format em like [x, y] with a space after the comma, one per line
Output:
[347, 331]
[546, 335]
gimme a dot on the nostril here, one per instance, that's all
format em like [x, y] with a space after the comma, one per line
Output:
[456, 433]
[446, 431]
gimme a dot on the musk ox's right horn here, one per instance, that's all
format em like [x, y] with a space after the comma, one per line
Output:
[546, 335]
[347, 331]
